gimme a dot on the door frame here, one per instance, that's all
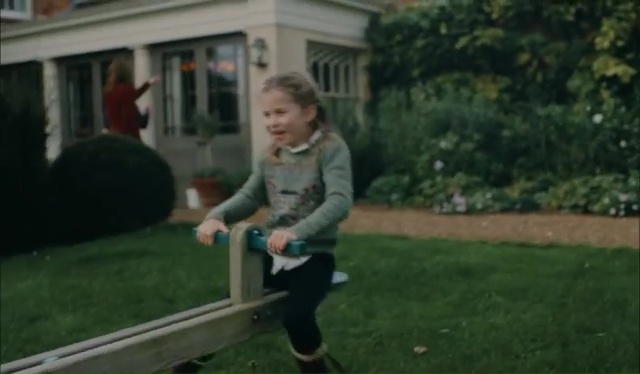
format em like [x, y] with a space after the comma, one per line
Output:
[167, 144]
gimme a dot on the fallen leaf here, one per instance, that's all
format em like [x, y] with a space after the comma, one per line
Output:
[420, 349]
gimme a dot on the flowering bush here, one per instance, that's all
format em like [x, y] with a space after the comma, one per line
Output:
[613, 195]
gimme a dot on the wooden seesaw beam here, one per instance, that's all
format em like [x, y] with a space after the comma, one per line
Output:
[167, 342]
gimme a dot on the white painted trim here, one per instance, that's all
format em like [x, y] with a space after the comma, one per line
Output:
[161, 5]
[162, 21]
[15, 15]
[207, 19]
[325, 17]
[365, 5]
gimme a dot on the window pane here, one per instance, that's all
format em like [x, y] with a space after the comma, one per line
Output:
[335, 71]
[179, 92]
[326, 78]
[347, 79]
[104, 70]
[315, 72]
[80, 100]
[224, 63]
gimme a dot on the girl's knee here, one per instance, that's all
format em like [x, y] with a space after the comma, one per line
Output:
[296, 320]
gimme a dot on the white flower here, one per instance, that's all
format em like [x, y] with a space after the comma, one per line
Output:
[623, 197]
[443, 144]
[612, 211]
[438, 165]
[634, 207]
[459, 202]
[623, 144]
[597, 118]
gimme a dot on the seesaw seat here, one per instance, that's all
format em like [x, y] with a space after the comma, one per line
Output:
[257, 241]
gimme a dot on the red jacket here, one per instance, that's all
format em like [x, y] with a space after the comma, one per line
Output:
[122, 112]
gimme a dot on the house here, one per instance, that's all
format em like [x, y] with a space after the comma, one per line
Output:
[212, 56]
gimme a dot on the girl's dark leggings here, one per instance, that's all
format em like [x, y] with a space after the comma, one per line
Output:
[307, 284]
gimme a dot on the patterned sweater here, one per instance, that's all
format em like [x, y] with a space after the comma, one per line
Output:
[308, 192]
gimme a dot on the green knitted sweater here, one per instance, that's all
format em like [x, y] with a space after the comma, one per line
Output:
[308, 191]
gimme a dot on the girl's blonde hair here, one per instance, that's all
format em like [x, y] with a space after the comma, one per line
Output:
[304, 93]
[118, 72]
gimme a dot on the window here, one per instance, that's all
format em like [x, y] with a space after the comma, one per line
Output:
[16, 9]
[206, 77]
[334, 70]
[80, 100]
[225, 78]
[179, 92]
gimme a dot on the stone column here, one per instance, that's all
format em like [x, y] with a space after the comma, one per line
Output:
[142, 73]
[51, 78]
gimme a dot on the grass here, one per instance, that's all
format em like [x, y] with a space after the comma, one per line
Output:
[477, 307]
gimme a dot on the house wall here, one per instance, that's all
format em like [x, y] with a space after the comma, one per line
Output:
[148, 26]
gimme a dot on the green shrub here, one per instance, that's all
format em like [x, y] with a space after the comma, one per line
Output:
[392, 190]
[614, 195]
[108, 185]
[505, 92]
[23, 166]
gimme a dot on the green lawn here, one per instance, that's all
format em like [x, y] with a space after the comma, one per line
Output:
[477, 307]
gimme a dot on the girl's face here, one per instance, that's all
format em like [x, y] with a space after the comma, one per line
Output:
[287, 122]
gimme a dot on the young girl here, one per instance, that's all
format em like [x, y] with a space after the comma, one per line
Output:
[305, 179]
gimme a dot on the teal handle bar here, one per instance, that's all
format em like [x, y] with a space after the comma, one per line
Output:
[257, 241]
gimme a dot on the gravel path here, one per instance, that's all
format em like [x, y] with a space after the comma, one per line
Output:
[530, 228]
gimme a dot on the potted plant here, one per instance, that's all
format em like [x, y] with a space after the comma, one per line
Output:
[206, 178]
[208, 184]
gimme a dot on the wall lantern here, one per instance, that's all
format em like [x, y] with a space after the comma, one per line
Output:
[259, 53]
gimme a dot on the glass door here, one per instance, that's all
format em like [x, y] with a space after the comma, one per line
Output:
[179, 92]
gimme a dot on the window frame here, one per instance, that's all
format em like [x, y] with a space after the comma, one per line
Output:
[199, 47]
[17, 15]
[337, 57]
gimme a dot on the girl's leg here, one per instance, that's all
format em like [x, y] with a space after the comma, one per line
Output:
[308, 286]
[276, 281]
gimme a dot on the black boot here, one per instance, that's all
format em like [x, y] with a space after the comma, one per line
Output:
[311, 363]
[315, 366]
[193, 366]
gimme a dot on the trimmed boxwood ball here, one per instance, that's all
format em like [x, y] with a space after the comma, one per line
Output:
[23, 166]
[107, 185]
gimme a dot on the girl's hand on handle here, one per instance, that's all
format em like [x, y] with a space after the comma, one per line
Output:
[209, 227]
[279, 239]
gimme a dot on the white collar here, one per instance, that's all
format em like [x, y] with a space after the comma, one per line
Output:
[304, 146]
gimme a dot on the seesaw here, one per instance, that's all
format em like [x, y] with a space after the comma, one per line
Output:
[165, 343]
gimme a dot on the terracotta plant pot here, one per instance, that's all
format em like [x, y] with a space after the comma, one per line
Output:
[210, 191]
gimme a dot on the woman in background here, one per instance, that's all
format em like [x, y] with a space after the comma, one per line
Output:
[120, 97]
